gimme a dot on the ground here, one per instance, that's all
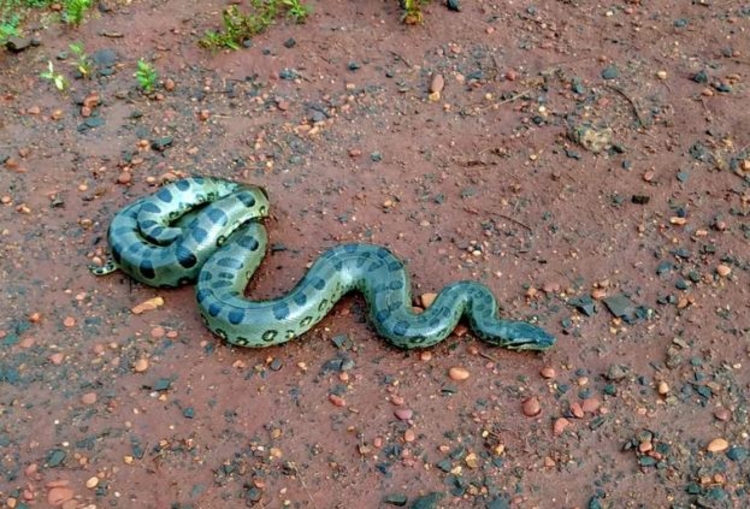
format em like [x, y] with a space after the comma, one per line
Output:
[589, 162]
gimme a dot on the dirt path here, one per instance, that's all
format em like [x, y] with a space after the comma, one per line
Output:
[590, 163]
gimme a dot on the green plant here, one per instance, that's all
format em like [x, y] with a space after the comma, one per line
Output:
[240, 27]
[83, 62]
[296, 10]
[74, 10]
[61, 83]
[412, 12]
[146, 76]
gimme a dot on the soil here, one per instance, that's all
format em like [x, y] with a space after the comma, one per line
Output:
[589, 162]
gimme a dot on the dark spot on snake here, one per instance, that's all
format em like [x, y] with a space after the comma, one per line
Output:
[247, 199]
[382, 315]
[185, 257]
[205, 275]
[290, 334]
[201, 295]
[401, 328]
[148, 224]
[174, 215]
[249, 242]
[300, 298]
[323, 304]
[156, 232]
[182, 185]
[395, 305]
[225, 275]
[217, 216]
[269, 336]
[134, 248]
[374, 266]
[121, 231]
[281, 311]
[306, 321]
[382, 252]
[241, 341]
[229, 263]
[199, 234]
[214, 309]
[395, 265]
[146, 268]
[350, 248]
[164, 195]
[116, 256]
[338, 265]
[221, 283]
[417, 340]
[235, 316]
[396, 284]
[150, 207]
[221, 334]
[318, 283]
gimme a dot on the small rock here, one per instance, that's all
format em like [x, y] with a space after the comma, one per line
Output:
[531, 407]
[576, 410]
[722, 414]
[69, 321]
[17, 44]
[58, 495]
[124, 178]
[591, 405]
[337, 400]
[723, 270]
[89, 398]
[409, 436]
[717, 445]
[458, 373]
[169, 84]
[426, 299]
[662, 388]
[56, 358]
[560, 425]
[437, 84]
[141, 365]
[92, 482]
[404, 414]
[548, 372]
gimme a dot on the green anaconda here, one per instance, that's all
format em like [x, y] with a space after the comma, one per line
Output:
[208, 229]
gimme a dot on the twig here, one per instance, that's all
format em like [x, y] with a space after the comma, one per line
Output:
[519, 223]
[504, 101]
[304, 486]
[632, 103]
[400, 57]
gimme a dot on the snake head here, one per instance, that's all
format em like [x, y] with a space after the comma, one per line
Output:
[524, 336]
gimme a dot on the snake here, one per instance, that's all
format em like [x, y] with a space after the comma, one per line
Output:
[208, 231]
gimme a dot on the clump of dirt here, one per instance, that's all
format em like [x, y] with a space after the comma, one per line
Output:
[589, 163]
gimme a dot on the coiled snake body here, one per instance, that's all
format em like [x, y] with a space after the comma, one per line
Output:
[207, 228]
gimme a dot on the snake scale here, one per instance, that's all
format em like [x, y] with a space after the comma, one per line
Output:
[208, 229]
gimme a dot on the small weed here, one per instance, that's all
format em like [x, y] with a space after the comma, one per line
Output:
[296, 10]
[83, 62]
[74, 10]
[58, 79]
[240, 27]
[412, 12]
[146, 76]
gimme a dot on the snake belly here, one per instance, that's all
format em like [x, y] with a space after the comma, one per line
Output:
[164, 239]
[372, 270]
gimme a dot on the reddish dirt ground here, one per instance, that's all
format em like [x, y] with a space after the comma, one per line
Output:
[589, 162]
